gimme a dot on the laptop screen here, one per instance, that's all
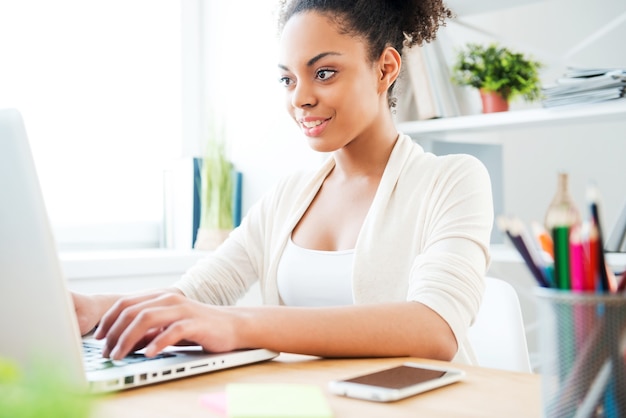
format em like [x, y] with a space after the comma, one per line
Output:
[37, 318]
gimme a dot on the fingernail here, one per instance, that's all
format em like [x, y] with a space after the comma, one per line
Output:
[150, 351]
[114, 353]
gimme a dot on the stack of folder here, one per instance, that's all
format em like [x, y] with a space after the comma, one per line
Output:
[585, 86]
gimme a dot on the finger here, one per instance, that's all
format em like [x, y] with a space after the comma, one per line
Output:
[172, 335]
[145, 321]
[109, 318]
[86, 320]
[124, 318]
[149, 337]
[146, 339]
[192, 330]
[142, 343]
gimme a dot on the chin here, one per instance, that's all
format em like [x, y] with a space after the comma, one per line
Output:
[319, 145]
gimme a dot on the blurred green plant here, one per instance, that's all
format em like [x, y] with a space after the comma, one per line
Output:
[43, 393]
[495, 68]
[216, 197]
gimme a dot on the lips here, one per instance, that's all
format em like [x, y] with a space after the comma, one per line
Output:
[313, 126]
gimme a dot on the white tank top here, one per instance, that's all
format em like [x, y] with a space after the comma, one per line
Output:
[315, 278]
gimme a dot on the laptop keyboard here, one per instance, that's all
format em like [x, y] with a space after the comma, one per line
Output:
[92, 355]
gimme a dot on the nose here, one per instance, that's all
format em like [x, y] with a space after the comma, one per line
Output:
[303, 95]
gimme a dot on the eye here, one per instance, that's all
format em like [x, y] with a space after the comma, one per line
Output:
[285, 81]
[325, 74]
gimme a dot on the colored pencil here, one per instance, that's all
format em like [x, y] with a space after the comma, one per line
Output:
[592, 278]
[560, 236]
[577, 260]
[514, 231]
[593, 197]
[595, 393]
[621, 286]
[544, 239]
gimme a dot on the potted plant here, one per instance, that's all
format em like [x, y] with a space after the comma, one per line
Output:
[216, 196]
[500, 74]
[42, 392]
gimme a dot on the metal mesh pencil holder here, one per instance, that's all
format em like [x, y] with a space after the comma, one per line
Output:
[582, 354]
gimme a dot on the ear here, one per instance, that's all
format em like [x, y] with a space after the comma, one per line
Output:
[389, 65]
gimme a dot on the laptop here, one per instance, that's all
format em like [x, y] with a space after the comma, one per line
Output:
[38, 324]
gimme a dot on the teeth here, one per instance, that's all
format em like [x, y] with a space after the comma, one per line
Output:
[312, 124]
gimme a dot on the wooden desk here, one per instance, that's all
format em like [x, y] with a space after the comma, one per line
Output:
[484, 393]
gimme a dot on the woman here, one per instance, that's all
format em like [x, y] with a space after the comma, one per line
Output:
[381, 252]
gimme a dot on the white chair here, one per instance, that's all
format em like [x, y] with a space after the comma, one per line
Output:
[497, 335]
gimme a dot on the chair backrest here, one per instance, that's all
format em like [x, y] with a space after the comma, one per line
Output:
[498, 336]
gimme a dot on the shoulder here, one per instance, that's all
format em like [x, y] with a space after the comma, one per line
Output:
[462, 165]
[426, 165]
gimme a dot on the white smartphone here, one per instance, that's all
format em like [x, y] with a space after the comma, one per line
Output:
[397, 382]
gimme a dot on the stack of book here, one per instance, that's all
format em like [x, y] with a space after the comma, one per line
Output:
[429, 92]
[586, 85]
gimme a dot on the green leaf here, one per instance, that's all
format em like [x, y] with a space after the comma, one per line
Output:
[496, 68]
[216, 197]
[44, 392]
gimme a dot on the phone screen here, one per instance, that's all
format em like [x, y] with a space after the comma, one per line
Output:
[398, 377]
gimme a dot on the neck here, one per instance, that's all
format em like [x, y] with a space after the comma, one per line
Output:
[368, 154]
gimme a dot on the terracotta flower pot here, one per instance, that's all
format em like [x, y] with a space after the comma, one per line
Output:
[493, 102]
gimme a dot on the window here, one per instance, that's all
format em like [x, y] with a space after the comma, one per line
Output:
[99, 86]
[114, 94]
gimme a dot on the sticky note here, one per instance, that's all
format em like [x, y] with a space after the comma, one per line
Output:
[276, 400]
[216, 401]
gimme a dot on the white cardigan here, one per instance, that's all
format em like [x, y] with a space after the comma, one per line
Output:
[425, 238]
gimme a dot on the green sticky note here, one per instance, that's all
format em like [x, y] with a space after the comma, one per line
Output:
[276, 400]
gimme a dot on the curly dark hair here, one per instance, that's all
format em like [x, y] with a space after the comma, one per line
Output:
[381, 23]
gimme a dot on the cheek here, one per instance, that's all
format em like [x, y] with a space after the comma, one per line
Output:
[363, 100]
[365, 86]
[288, 106]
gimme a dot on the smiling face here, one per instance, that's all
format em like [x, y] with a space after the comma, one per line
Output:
[333, 91]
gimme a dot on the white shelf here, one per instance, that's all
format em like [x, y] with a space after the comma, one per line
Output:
[439, 128]
[125, 263]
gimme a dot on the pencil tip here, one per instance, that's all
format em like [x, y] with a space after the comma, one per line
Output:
[516, 226]
[593, 194]
[536, 226]
[503, 223]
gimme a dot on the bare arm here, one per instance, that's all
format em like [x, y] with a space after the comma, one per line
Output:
[393, 329]
[390, 329]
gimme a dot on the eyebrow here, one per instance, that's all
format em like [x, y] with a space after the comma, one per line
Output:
[313, 60]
